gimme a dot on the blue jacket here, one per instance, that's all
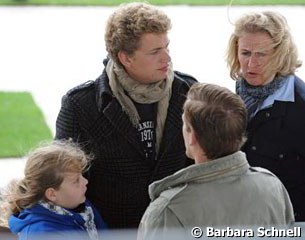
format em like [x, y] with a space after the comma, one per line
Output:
[34, 222]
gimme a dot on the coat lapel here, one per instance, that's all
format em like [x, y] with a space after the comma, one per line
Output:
[173, 123]
[122, 124]
[277, 111]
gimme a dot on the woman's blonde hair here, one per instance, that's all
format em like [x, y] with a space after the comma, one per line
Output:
[285, 57]
[45, 168]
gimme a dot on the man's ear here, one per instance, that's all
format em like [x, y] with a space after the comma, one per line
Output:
[124, 58]
[51, 194]
[192, 137]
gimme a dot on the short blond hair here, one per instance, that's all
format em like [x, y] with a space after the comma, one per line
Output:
[128, 23]
[285, 58]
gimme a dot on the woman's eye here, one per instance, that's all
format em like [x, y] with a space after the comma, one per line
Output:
[261, 54]
[246, 53]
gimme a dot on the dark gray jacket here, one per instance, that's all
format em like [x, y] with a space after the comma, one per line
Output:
[120, 174]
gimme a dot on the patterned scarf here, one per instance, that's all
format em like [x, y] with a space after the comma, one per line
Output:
[254, 96]
[87, 214]
[124, 89]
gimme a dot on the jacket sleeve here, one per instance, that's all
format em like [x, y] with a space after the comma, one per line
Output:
[66, 124]
[289, 213]
[164, 226]
[49, 231]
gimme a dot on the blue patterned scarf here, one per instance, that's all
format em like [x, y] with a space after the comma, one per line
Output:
[254, 96]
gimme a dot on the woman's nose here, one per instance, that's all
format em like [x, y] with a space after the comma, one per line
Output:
[253, 61]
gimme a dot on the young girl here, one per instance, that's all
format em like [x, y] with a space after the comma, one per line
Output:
[51, 196]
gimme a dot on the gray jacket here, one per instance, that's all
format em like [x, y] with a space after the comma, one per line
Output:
[223, 192]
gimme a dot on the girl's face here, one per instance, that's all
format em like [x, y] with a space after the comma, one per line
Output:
[71, 192]
[254, 52]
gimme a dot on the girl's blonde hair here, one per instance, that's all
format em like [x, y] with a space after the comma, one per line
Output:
[285, 58]
[45, 168]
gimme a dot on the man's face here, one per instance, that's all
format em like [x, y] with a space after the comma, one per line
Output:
[151, 61]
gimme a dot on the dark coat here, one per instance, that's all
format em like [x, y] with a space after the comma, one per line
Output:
[276, 141]
[120, 174]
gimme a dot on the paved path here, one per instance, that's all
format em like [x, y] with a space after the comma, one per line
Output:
[48, 50]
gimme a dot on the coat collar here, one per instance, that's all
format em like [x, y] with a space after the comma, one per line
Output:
[103, 93]
[233, 164]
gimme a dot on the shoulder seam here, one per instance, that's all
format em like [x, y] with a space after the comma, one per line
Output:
[80, 87]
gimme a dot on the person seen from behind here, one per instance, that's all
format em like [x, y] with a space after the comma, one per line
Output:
[221, 189]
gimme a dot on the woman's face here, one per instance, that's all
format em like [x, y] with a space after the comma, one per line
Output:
[254, 52]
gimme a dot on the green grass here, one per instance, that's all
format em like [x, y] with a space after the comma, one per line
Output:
[156, 2]
[22, 125]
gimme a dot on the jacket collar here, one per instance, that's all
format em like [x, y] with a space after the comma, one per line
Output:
[300, 87]
[103, 93]
[233, 164]
[284, 94]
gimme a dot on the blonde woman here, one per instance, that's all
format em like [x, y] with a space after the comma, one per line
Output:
[263, 58]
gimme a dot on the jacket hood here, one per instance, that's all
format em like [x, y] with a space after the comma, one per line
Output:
[202, 172]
